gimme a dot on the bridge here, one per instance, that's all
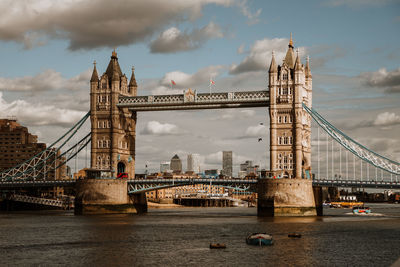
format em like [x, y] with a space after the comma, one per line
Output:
[113, 116]
[146, 185]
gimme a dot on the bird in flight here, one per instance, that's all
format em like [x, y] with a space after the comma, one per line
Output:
[259, 139]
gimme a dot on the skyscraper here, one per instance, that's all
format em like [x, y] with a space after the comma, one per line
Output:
[227, 163]
[193, 163]
[176, 164]
[164, 166]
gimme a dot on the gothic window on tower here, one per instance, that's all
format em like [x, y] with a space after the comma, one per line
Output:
[289, 91]
[279, 119]
[290, 118]
[285, 76]
[290, 140]
[285, 91]
[104, 85]
[284, 119]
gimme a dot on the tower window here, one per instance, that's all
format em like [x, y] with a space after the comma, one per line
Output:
[285, 76]
[279, 119]
[284, 119]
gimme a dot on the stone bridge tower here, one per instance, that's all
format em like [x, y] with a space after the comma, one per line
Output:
[289, 192]
[290, 85]
[113, 128]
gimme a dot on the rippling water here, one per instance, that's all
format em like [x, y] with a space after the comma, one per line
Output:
[172, 237]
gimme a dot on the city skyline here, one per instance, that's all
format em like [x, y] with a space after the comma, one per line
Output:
[45, 69]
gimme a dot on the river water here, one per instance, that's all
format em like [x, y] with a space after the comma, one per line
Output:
[181, 237]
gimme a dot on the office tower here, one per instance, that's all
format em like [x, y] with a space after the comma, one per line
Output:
[176, 164]
[193, 163]
[227, 163]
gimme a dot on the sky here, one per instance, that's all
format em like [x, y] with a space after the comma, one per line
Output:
[47, 49]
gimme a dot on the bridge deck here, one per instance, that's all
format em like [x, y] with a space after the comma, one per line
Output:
[184, 181]
[191, 100]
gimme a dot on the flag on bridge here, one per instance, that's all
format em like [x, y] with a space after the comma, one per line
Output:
[173, 82]
[212, 82]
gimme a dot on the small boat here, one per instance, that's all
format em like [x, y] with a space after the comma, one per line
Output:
[217, 245]
[259, 239]
[294, 235]
[361, 210]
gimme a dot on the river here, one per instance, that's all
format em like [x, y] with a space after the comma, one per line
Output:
[181, 237]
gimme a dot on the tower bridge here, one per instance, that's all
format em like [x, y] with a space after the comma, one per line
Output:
[113, 116]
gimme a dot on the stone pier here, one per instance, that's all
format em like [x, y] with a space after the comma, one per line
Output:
[104, 196]
[285, 197]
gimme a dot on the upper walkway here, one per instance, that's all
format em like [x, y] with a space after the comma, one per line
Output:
[191, 100]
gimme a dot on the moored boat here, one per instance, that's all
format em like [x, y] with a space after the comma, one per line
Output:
[260, 239]
[217, 245]
[361, 210]
[294, 235]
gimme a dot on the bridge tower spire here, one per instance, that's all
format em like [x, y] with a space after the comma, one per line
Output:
[290, 189]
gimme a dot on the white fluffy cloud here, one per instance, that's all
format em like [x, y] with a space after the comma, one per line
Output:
[47, 80]
[88, 24]
[184, 80]
[157, 128]
[260, 55]
[37, 114]
[256, 131]
[173, 40]
[386, 119]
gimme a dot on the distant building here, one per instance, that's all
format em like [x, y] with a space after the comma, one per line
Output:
[227, 163]
[213, 172]
[193, 163]
[176, 164]
[164, 166]
[247, 168]
[18, 145]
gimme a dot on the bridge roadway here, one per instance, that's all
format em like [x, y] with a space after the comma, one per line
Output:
[142, 185]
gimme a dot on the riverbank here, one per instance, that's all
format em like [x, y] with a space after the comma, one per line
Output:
[154, 205]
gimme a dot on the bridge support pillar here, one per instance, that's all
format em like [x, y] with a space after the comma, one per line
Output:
[285, 197]
[104, 196]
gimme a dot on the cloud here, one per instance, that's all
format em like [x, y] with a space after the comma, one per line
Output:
[253, 17]
[389, 80]
[255, 131]
[386, 119]
[184, 80]
[157, 128]
[173, 40]
[260, 55]
[89, 24]
[45, 81]
[236, 114]
[39, 114]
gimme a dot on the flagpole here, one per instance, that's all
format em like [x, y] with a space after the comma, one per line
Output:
[210, 85]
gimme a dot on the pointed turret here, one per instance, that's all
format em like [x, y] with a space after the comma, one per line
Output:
[273, 67]
[95, 76]
[289, 58]
[307, 68]
[113, 66]
[297, 65]
[132, 82]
